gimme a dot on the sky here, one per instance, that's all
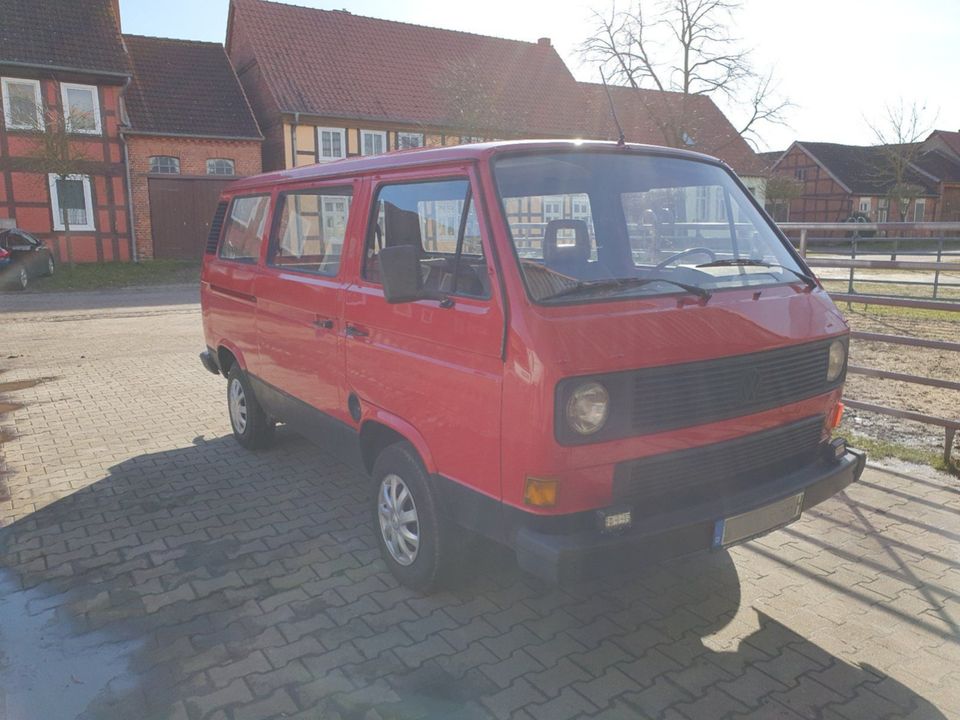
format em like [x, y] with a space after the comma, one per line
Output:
[840, 62]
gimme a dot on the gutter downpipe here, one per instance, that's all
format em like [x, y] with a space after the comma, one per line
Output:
[126, 164]
[293, 140]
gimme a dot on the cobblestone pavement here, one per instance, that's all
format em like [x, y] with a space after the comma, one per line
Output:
[151, 568]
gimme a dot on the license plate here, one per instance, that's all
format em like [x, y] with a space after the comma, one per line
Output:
[738, 528]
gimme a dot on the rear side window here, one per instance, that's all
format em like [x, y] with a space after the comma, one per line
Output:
[310, 228]
[244, 228]
[440, 219]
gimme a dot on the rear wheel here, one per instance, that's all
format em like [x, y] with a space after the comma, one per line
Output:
[251, 426]
[416, 542]
[50, 266]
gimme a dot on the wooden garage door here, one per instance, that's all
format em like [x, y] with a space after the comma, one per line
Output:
[180, 212]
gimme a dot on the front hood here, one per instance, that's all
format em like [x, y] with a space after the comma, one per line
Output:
[643, 332]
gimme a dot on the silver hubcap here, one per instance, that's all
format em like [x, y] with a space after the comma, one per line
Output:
[238, 406]
[50, 266]
[399, 523]
[23, 278]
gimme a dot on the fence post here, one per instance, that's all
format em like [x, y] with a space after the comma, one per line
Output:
[948, 445]
[853, 256]
[803, 242]
[936, 274]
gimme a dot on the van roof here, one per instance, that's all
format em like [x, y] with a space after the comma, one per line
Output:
[419, 157]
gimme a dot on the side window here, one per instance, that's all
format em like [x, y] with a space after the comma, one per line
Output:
[440, 219]
[310, 230]
[244, 228]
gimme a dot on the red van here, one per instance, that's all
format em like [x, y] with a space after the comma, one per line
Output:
[577, 349]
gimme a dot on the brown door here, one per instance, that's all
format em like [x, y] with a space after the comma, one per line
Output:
[180, 212]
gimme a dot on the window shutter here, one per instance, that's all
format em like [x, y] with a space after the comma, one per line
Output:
[216, 225]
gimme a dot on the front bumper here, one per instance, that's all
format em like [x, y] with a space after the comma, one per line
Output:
[209, 360]
[560, 557]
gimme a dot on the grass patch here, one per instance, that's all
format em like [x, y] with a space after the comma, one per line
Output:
[889, 311]
[879, 449]
[916, 292]
[99, 276]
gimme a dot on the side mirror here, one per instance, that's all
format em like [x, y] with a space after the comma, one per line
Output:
[400, 273]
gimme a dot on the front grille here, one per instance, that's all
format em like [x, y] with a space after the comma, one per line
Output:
[669, 397]
[661, 483]
[695, 393]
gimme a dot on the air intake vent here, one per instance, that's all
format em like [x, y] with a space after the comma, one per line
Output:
[216, 225]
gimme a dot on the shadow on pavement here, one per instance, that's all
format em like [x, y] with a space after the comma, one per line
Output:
[208, 581]
[68, 301]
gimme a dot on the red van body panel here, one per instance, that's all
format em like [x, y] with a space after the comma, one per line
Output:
[473, 384]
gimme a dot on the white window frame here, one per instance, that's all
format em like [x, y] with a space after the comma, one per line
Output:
[160, 157]
[401, 134]
[95, 91]
[866, 205]
[38, 97]
[343, 144]
[91, 223]
[883, 209]
[233, 167]
[382, 134]
[919, 209]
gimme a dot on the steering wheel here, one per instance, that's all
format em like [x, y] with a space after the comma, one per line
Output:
[683, 253]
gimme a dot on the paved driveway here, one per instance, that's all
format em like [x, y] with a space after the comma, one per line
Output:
[151, 568]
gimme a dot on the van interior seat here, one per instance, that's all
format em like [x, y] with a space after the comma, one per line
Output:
[568, 258]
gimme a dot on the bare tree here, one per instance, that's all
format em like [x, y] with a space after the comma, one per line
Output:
[683, 46]
[780, 190]
[55, 152]
[899, 135]
[472, 96]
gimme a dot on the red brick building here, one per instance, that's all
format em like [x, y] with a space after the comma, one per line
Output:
[190, 132]
[64, 62]
[327, 84]
[837, 182]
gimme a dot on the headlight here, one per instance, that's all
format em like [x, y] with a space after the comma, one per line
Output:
[838, 356]
[588, 407]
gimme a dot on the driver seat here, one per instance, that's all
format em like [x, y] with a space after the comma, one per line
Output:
[568, 259]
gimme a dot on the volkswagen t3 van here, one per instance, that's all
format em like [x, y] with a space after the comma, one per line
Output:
[578, 350]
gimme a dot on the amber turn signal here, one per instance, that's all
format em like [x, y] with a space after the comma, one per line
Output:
[836, 416]
[540, 492]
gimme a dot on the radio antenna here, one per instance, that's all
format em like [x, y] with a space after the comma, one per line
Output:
[622, 141]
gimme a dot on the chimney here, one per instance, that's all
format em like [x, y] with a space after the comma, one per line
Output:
[544, 41]
[115, 4]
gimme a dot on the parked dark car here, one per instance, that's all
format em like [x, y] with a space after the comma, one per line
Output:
[22, 257]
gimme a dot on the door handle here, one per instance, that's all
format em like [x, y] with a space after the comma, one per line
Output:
[354, 331]
[323, 323]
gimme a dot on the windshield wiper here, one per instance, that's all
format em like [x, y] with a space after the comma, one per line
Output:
[748, 262]
[618, 283]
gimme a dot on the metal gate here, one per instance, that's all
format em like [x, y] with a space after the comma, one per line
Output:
[180, 212]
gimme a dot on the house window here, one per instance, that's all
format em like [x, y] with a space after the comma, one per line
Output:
[464, 139]
[331, 143]
[165, 165]
[373, 142]
[800, 174]
[81, 108]
[919, 206]
[865, 206]
[883, 209]
[72, 202]
[406, 140]
[22, 104]
[220, 166]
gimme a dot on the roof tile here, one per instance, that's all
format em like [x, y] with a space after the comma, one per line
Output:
[184, 87]
[79, 34]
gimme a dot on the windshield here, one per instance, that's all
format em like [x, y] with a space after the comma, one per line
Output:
[592, 226]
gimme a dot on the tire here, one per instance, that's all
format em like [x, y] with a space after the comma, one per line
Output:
[23, 278]
[50, 266]
[251, 426]
[401, 484]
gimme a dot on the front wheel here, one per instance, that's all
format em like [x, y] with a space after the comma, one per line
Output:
[50, 266]
[251, 426]
[416, 542]
[23, 279]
